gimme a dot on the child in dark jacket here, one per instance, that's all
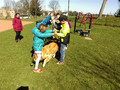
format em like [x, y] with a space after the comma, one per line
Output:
[39, 38]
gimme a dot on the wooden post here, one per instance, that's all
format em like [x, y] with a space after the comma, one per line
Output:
[102, 8]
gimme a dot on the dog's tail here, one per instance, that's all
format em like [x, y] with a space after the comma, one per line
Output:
[34, 57]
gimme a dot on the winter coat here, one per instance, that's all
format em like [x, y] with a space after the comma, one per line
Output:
[39, 38]
[65, 33]
[17, 24]
[69, 24]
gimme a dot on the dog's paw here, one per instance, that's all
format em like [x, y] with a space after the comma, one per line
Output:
[43, 64]
[53, 56]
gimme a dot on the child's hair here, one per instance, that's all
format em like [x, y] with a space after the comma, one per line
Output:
[63, 18]
[42, 28]
[17, 14]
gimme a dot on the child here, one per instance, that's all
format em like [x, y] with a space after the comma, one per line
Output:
[39, 37]
[58, 24]
[68, 22]
[65, 37]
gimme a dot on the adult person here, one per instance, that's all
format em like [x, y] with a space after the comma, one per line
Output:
[55, 13]
[17, 26]
[54, 18]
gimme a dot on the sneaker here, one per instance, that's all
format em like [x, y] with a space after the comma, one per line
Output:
[16, 41]
[19, 40]
[65, 48]
[58, 62]
[61, 63]
[37, 70]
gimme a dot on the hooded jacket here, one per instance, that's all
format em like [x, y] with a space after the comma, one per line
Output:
[17, 24]
[39, 38]
[64, 33]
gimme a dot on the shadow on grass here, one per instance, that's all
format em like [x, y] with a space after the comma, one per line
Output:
[23, 88]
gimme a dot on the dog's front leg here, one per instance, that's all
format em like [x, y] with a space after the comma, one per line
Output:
[53, 55]
[46, 60]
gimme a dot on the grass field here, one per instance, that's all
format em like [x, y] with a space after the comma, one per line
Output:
[89, 65]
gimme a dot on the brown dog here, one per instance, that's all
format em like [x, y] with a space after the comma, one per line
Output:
[48, 51]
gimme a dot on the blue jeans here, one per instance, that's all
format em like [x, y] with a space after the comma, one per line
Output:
[62, 52]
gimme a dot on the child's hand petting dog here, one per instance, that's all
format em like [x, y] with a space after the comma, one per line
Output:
[53, 36]
[54, 30]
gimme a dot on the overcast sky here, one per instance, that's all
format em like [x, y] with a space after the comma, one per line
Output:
[85, 6]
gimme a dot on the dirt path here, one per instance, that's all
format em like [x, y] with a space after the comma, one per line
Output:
[7, 24]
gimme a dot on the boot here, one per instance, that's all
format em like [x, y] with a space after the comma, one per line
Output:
[16, 41]
[19, 40]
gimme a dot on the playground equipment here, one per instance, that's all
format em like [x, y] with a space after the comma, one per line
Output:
[83, 20]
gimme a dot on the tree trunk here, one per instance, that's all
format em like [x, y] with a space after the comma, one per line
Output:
[102, 8]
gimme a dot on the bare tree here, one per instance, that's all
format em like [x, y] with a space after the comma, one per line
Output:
[102, 8]
[18, 7]
[14, 5]
[22, 6]
[54, 5]
[7, 4]
[25, 6]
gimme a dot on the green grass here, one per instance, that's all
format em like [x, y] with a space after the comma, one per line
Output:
[109, 21]
[89, 65]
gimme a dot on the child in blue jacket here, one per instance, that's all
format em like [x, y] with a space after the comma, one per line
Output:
[40, 33]
[39, 38]
[45, 21]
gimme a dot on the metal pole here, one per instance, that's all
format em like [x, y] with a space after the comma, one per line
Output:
[75, 24]
[68, 6]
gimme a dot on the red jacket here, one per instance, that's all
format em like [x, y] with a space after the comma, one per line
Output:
[17, 24]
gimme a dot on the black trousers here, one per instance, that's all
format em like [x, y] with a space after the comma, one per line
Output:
[17, 35]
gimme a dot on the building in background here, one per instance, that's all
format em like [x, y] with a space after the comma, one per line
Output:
[7, 13]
